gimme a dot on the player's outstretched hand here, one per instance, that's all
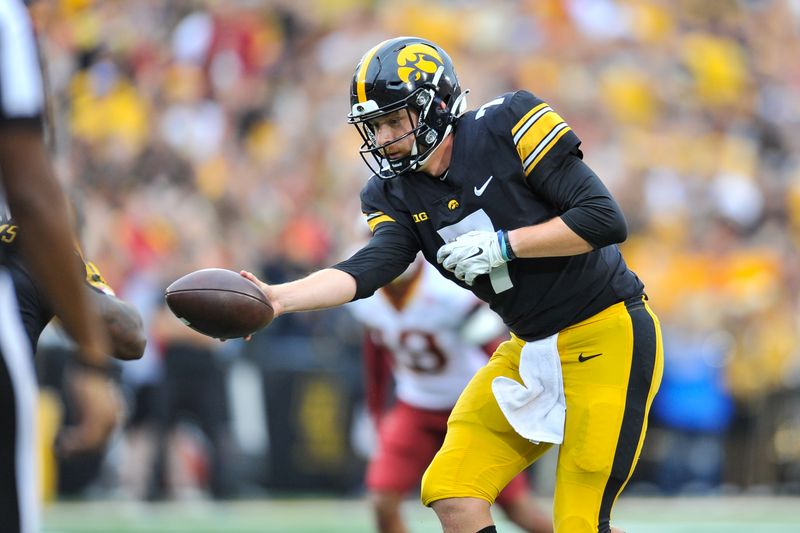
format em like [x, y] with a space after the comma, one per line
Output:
[100, 409]
[471, 255]
[267, 290]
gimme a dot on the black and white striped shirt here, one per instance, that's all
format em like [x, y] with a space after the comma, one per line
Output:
[21, 101]
[21, 92]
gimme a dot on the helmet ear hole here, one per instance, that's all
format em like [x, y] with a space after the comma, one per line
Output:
[441, 113]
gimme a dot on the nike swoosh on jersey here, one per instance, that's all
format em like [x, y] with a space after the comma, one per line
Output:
[479, 191]
[582, 358]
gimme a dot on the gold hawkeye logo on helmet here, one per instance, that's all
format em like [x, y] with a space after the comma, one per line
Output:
[421, 57]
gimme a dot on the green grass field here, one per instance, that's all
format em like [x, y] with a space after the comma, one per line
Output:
[635, 515]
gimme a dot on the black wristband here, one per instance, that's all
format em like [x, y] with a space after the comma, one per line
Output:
[507, 251]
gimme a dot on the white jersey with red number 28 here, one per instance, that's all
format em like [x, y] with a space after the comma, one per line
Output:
[433, 360]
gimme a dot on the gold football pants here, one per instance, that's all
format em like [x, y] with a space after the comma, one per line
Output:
[611, 364]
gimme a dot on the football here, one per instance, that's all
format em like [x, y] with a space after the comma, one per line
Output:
[219, 303]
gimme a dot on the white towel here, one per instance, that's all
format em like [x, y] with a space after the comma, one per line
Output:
[535, 408]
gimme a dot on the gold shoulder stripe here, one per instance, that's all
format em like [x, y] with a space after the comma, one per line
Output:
[536, 133]
[524, 119]
[547, 143]
[373, 222]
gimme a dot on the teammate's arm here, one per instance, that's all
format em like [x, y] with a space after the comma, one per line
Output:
[124, 324]
[37, 204]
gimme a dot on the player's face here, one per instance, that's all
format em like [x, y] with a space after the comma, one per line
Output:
[393, 132]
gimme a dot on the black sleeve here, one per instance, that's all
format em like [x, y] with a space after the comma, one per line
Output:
[587, 207]
[386, 256]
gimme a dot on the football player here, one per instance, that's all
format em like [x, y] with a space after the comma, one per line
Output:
[431, 336]
[500, 201]
[37, 202]
[122, 320]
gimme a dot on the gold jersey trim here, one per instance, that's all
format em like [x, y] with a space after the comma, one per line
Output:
[96, 280]
[378, 217]
[536, 133]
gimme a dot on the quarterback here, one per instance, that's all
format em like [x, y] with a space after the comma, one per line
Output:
[500, 201]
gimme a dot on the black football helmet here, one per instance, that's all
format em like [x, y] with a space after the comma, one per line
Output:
[405, 73]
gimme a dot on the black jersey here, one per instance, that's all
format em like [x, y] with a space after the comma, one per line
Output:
[34, 307]
[515, 163]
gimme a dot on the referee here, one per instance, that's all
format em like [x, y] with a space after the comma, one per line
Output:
[37, 203]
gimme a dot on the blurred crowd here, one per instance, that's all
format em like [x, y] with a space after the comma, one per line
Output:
[199, 133]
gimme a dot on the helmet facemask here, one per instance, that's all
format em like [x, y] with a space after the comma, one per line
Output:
[417, 107]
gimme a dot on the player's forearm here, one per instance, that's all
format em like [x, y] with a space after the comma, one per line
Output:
[38, 205]
[322, 289]
[548, 239]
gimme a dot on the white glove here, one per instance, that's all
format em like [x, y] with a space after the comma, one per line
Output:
[471, 255]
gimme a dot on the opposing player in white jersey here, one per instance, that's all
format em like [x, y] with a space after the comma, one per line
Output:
[429, 335]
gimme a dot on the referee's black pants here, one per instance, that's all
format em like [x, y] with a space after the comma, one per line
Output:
[19, 497]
